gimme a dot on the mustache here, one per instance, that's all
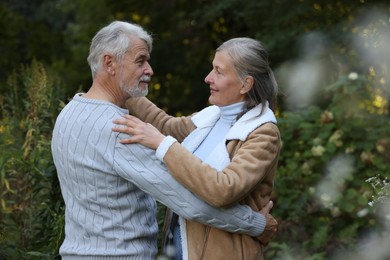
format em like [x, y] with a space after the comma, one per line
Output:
[145, 78]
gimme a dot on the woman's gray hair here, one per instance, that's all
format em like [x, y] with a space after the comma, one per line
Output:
[250, 58]
[115, 40]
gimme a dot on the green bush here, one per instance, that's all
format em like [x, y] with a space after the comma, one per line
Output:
[32, 215]
[328, 154]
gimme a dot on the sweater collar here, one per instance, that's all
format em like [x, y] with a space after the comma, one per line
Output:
[229, 113]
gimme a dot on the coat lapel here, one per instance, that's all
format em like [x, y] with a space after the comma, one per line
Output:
[204, 121]
[249, 122]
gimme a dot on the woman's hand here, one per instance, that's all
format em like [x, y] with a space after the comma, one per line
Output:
[271, 226]
[141, 132]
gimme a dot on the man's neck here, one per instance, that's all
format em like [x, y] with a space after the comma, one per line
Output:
[100, 91]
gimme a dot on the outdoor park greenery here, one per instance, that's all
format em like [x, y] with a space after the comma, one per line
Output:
[331, 61]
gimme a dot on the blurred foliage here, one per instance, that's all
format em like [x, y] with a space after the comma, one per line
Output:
[331, 62]
[186, 33]
[31, 219]
[328, 154]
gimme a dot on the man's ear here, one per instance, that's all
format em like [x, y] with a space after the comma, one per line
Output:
[109, 64]
[247, 84]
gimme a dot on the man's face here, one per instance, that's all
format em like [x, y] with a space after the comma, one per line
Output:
[136, 72]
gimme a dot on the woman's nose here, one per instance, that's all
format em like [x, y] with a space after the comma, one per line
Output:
[208, 78]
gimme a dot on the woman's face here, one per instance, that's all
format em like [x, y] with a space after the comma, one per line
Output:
[225, 85]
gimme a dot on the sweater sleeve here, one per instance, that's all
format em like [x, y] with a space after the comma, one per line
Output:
[141, 167]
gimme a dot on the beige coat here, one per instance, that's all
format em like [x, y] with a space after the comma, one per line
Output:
[247, 179]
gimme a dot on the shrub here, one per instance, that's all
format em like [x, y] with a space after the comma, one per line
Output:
[31, 220]
[328, 154]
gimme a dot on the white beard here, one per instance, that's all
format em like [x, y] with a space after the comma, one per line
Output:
[136, 91]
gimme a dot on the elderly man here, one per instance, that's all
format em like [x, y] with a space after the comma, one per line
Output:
[109, 188]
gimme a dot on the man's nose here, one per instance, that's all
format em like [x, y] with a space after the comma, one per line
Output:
[148, 70]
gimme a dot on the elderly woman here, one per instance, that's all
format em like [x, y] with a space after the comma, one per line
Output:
[225, 153]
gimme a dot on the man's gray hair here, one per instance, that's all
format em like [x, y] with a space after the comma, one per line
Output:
[115, 40]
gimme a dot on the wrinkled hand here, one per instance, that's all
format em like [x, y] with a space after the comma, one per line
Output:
[141, 132]
[271, 226]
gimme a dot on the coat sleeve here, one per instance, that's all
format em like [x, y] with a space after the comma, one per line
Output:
[144, 109]
[252, 162]
[140, 166]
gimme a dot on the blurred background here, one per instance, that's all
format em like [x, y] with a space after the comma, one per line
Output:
[331, 60]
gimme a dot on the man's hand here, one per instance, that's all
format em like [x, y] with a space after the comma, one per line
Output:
[271, 226]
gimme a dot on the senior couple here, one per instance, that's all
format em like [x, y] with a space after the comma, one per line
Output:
[116, 153]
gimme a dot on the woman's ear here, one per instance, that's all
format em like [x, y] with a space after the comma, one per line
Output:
[248, 84]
